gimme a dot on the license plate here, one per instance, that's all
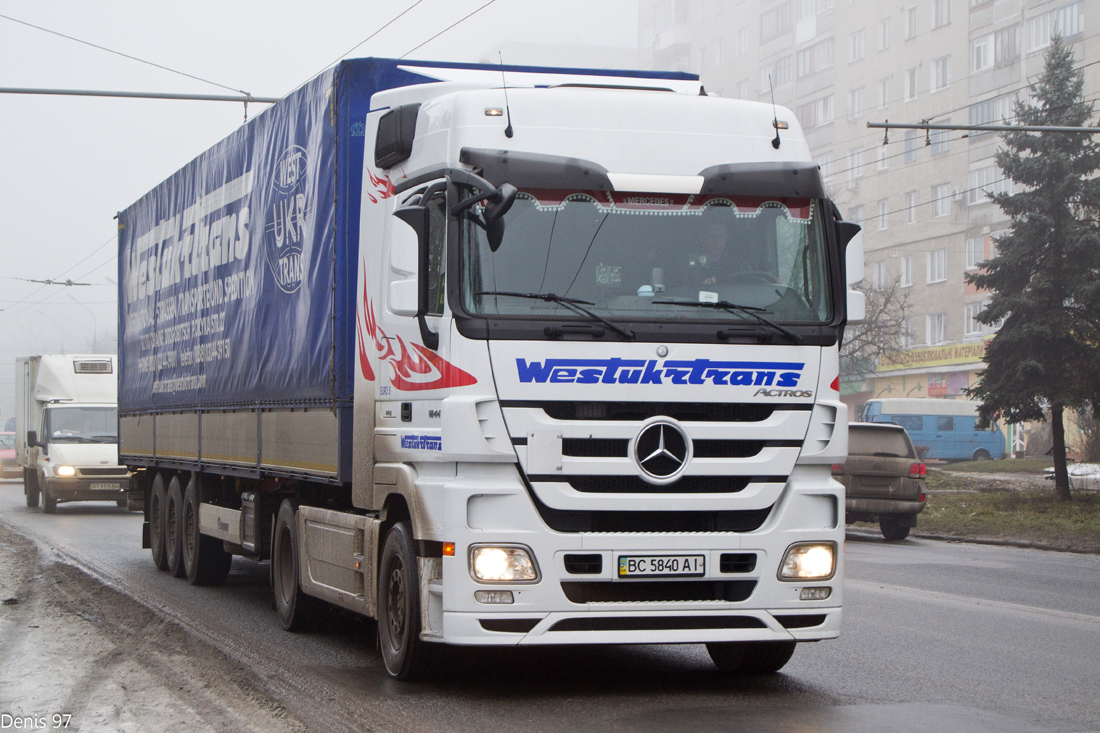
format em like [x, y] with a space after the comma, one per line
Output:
[106, 487]
[634, 566]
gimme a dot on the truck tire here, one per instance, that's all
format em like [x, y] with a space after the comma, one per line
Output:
[30, 488]
[751, 657]
[403, 652]
[982, 455]
[173, 528]
[158, 496]
[296, 610]
[892, 530]
[49, 501]
[205, 560]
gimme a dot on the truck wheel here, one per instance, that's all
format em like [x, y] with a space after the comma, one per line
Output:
[49, 501]
[296, 609]
[751, 657]
[892, 529]
[30, 488]
[173, 528]
[982, 455]
[205, 560]
[404, 654]
[158, 496]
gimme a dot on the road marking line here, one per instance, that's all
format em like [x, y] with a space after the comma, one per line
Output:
[1004, 605]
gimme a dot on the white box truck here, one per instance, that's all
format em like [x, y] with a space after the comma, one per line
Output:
[66, 429]
[555, 363]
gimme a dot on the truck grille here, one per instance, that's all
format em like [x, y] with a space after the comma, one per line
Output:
[638, 411]
[111, 471]
[655, 591]
[635, 485]
[618, 448]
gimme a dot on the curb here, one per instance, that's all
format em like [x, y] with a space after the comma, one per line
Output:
[1023, 544]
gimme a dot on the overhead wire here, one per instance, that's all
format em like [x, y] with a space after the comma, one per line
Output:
[452, 25]
[123, 55]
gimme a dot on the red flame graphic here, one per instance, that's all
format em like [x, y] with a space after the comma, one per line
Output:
[414, 369]
[383, 187]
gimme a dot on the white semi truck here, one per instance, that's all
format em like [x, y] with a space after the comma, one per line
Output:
[66, 429]
[499, 356]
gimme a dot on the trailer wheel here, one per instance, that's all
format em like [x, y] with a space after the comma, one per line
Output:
[173, 528]
[404, 654]
[751, 657]
[158, 496]
[30, 487]
[296, 609]
[205, 560]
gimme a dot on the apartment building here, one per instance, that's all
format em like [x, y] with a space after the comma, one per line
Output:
[921, 197]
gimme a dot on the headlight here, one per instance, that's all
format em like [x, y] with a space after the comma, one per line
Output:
[809, 561]
[494, 564]
[64, 471]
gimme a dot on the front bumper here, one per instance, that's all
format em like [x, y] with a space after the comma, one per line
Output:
[549, 613]
[882, 506]
[88, 488]
[11, 471]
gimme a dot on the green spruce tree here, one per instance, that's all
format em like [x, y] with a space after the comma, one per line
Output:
[1045, 278]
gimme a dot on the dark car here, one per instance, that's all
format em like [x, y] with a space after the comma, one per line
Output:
[884, 478]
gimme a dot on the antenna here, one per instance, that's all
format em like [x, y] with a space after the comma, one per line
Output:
[507, 130]
[775, 115]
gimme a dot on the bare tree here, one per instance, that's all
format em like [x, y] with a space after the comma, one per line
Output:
[880, 334]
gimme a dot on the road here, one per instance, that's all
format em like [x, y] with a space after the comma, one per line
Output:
[937, 636]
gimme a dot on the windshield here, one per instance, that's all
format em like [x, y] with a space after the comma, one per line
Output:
[82, 424]
[637, 256]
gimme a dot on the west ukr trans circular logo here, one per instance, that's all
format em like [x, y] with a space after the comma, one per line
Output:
[285, 223]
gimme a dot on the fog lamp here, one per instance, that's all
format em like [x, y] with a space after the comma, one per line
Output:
[64, 471]
[809, 560]
[502, 564]
[493, 596]
[815, 594]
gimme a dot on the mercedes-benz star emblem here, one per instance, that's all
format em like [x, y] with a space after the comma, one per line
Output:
[661, 450]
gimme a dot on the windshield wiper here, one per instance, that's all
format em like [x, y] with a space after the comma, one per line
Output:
[749, 310]
[573, 304]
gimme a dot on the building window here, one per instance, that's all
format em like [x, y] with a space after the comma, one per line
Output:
[815, 58]
[1005, 50]
[981, 54]
[816, 113]
[910, 146]
[855, 104]
[719, 49]
[941, 73]
[883, 92]
[857, 46]
[855, 165]
[975, 252]
[971, 325]
[911, 84]
[765, 80]
[910, 22]
[906, 275]
[883, 215]
[776, 21]
[742, 41]
[941, 199]
[990, 112]
[936, 328]
[857, 215]
[883, 157]
[784, 71]
[742, 89]
[942, 15]
[910, 207]
[884, 34]
[987, 179]
[880, 275]
[1066, 21]
[1038, 32]
[937, 266]
[905, 338]
[941, 139]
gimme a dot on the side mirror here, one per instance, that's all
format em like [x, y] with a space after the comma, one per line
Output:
[851, 239]
[856, 307]
[500, 202]
[32, 439]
